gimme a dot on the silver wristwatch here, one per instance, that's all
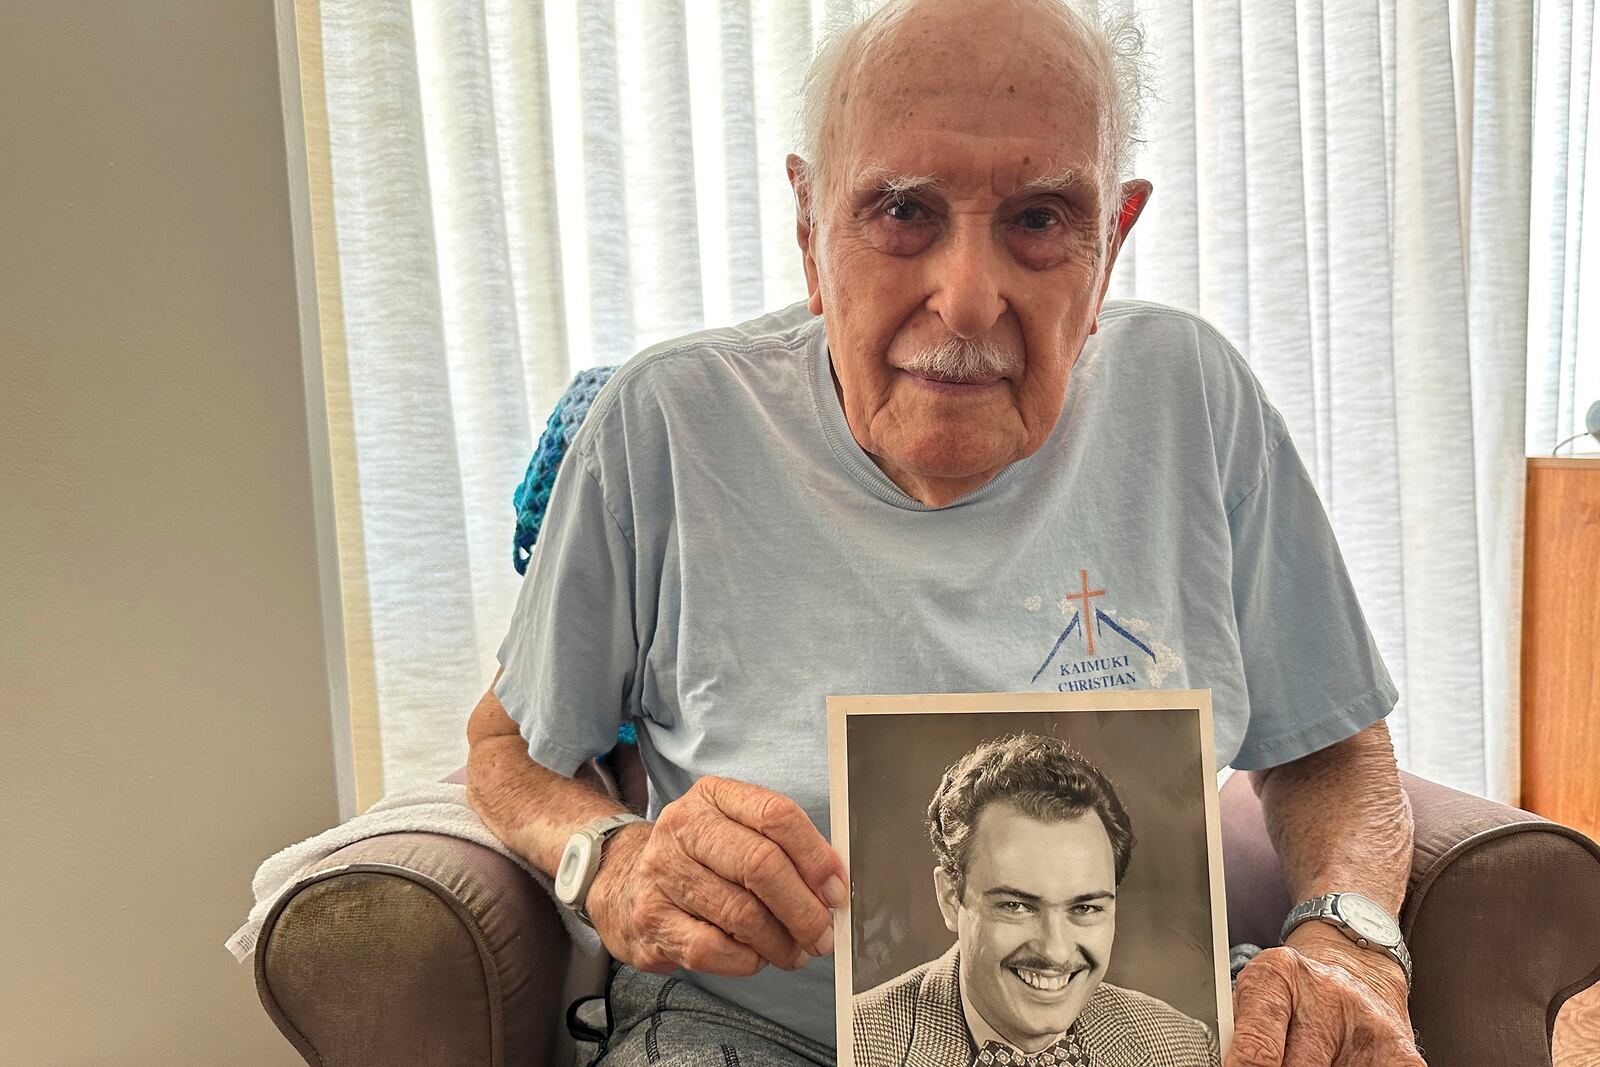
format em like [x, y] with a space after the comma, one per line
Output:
[580, 862]
[1359, 918]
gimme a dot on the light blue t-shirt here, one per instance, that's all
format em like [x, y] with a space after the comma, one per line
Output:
[720, 555]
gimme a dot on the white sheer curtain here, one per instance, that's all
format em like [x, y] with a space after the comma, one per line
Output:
[514, 190]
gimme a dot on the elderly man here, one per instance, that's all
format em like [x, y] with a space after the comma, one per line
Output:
[1032, 843]
[892, 488]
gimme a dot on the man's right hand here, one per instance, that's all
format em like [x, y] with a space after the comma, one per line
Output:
[729, 878]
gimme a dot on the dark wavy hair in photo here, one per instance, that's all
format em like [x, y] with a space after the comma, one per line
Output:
[1043, 777]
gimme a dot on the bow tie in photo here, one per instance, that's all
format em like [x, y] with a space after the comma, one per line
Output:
[1064, 1053]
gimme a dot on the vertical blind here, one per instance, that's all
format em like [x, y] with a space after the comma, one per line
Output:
[1380, 202]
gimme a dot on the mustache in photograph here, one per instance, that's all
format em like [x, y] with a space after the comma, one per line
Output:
[1028, 961]
[957, 359]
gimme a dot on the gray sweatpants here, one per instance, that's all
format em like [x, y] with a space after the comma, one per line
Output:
[667, 1022]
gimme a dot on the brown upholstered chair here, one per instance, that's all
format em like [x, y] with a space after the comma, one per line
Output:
[420, 949]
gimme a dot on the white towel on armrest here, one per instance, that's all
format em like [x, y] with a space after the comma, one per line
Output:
[433, 808]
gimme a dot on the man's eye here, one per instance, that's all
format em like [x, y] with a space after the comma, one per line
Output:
[903, 210]
[1015, 907]
[1088, 909]
[1038, 219]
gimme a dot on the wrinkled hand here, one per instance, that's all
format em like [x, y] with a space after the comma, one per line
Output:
[730, 877]
[1321, 1004]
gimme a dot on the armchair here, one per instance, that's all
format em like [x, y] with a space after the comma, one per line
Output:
[422, 949]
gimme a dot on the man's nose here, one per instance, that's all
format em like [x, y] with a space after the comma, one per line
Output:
[1055, 940]
[966, 282]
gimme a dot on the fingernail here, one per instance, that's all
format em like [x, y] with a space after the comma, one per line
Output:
[824, 945]
[834, 893]
[800, 961]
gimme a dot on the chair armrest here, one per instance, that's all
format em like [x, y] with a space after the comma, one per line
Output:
[420, 948]
[1498, 916]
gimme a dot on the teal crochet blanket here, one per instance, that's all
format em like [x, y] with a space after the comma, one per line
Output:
[532, 498]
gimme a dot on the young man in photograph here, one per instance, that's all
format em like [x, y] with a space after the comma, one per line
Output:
[1031, 842]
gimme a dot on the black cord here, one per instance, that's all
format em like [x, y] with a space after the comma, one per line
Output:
[580, 1029]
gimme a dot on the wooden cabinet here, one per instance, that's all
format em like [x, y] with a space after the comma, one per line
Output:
[1561, 643]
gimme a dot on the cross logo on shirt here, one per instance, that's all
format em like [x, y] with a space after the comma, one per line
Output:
[1085, 596]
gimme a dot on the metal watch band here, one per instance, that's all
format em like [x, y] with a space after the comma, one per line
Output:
[1323, 908]
[1315, 908]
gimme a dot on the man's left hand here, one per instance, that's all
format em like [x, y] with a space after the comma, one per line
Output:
[1321, 1001]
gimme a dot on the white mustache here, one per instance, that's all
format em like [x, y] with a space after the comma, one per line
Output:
[957, 359]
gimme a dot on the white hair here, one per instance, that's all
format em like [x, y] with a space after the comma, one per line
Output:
[1111, 29]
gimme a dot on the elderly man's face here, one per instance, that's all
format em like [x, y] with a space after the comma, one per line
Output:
[1035, 922]
[991, 115]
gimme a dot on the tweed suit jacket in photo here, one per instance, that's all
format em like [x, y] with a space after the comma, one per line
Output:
[915, 1020]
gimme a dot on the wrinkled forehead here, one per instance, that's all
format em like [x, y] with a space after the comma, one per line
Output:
[952, 92]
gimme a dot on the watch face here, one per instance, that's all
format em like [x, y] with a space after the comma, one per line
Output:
[1367, 919]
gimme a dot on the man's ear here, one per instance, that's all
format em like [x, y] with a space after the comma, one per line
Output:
[1134, 194]
[949, 904]
[804, 229]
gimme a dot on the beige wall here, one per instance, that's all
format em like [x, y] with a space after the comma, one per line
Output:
[164, 700]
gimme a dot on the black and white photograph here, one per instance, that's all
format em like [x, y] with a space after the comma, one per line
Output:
[1035, 879]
